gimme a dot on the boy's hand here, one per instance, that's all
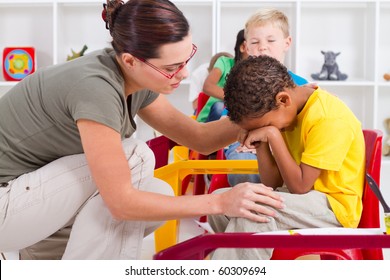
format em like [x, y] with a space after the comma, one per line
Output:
[256, 136]
[251, 201]
[242, 135]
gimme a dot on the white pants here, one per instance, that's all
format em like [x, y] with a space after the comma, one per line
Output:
[44, 203]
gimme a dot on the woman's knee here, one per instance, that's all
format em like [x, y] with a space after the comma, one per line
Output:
[159, 186]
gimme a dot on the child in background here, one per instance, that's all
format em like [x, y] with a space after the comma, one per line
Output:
[307, 140]
[266, 33]
[199, 75]
[213, 85]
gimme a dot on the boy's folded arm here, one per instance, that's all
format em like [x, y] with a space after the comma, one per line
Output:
[309, 175]
[268, 169]
[299, 179]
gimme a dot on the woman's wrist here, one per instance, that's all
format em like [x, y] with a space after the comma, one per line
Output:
[216, 204]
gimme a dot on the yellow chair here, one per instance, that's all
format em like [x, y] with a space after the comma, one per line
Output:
[175, 173]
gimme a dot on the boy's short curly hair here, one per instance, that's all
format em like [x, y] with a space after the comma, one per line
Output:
[252, 85]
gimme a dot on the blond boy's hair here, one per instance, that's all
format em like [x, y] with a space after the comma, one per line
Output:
[265, 16]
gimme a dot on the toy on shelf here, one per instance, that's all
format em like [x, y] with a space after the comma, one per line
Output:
[386, 143]
[18, 62]
[330, 69]
[77, 54]
[386, 76]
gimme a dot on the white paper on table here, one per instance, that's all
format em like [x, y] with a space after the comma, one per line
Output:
[310, 231]
[327, 231]
[205, 225]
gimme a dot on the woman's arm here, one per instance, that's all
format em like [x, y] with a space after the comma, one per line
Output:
[111, 173]
[210, 86]
[202, 137]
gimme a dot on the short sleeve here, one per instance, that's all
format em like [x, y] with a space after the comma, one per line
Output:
[221, 63]
[325, 147]
[97, 100]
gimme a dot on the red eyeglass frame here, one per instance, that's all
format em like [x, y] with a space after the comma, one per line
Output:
[170, 76]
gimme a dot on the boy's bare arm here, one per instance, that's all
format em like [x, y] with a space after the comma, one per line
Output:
[268, 169]
[299, 179]
[210, 86]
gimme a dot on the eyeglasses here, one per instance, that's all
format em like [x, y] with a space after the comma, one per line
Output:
[179, 68]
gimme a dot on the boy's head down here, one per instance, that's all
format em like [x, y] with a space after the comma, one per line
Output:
[252, 86]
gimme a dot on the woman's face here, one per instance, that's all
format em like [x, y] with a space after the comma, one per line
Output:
[164, 74]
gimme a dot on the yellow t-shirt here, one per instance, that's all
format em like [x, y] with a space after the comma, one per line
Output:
[328, 136]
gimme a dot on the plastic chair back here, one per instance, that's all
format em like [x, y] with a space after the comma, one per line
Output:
[373, 143]
[160, 147]
[202, 100]
[370, 215]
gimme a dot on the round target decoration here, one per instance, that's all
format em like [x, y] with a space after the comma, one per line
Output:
[18, 63]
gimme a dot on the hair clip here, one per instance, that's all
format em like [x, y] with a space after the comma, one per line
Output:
[104, 15]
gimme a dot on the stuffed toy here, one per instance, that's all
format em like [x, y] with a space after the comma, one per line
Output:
[77, 54]
[330, 69]
[386, 76]
[386, 143]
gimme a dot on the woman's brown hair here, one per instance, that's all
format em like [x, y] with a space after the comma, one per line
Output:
[140, 27]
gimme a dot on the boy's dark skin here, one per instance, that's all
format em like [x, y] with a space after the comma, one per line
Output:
[264, 127]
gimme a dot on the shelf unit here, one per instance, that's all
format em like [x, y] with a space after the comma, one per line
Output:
[358, 29]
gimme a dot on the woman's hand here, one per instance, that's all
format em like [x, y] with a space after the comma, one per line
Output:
[247, 200]
[242, 135]
[312, 85]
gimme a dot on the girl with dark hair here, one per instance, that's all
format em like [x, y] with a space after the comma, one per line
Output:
[213, 85]
[74, 184]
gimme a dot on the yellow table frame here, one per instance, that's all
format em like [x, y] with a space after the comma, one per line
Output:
[174, 173]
